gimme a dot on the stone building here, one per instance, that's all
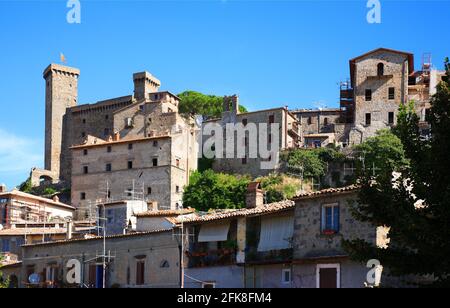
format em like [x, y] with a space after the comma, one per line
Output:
[17, 207]
[137, 260]
[287, 136]
[322, 220]
[98, 137]
[380, 80]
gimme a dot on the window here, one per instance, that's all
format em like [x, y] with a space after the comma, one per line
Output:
[140, 272]
[244, 160]
[270, 138]
[129, 122]
[84, 121]
[330, 218]
[129, 192]
[83, 196]
[391, 118]
[106, 131]
[368, 118]
[380, 69]
[106, 117]
[325, 121]
[368, 95]
[85, 152]
[177, 189]
[328, 276]
[177, 162]
[109, 149]
[155, 143]
[309, 121]
[5, 245]
[286, 275]
[244, 122]
[391, 93]
[208, 285]
[155, 162]
[130, 146]
[83, 134]
[108, 168]
[271, 119]
[130, 164]
[85, 169]
[149, 190]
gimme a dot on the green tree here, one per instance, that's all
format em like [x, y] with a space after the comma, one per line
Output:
[417, 208]
[4, 283]
[307, 160]
[381, 153]
[26, 186]
[196, 103]
[210, 190]
[279, 187]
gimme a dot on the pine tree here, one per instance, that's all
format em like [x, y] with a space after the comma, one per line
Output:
[415, 206]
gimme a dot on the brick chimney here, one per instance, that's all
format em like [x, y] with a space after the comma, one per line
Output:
[2, 188]
[116, 136]
[254, 196]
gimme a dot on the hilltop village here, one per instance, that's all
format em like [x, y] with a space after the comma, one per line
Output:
[120, 167]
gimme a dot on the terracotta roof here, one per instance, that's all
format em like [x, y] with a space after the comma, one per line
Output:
[11, 264]
[19, 193]
[93, 238]
[260, 210]
[32, 231]
[320, 135]
[165, 213]
[102, 142]
[325, 192]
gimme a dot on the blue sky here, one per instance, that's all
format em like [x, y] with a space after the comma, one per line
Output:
[271, 53]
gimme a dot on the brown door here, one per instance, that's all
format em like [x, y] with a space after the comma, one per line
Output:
[92, 275]
[328, 278]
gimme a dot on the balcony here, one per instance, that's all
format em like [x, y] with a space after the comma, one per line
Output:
[219, 257]
[273, 256]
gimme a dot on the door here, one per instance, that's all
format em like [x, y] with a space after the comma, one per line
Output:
[328, 278]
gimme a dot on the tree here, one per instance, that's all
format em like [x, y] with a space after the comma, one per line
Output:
[4, 283]
[196, 103]
[416, 206]
[278, 187]
[381, 153]
[307, 160]
[209, 190]
[26, 186]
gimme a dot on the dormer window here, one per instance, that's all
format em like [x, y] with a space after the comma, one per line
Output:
[380, 69]
[129, 122]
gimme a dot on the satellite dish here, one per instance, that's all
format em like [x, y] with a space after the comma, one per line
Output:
[34, 278]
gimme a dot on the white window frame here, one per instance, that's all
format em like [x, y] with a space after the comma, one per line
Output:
[283, 271]
[204, 283]
[324, 215]
[337, 266]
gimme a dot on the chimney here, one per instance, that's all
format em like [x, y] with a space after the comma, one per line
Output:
[2, 188]
[55, 198]
[254, 196]
[116, 136]
[69, 229]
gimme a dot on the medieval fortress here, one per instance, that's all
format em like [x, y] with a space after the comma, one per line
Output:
[140, 147]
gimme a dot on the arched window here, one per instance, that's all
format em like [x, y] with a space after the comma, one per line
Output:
[380, 69]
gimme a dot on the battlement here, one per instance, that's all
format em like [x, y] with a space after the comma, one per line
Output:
[61, 69]
[145, 83]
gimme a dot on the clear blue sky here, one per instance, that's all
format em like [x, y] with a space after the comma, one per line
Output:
[271, 53]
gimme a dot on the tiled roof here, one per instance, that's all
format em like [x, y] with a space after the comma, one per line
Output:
[260, 210]
[32, 231]
[325, 192]
[19, 193]
[93, 238]
[166, 213]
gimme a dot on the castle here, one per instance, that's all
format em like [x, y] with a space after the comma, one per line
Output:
[139, 146]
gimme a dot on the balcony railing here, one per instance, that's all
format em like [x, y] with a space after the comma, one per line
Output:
[225, 256]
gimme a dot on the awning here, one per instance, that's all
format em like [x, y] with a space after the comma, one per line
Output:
[276, 233]
[214, 232]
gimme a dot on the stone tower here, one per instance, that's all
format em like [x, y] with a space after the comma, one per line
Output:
[145, 83]
[61, 92]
